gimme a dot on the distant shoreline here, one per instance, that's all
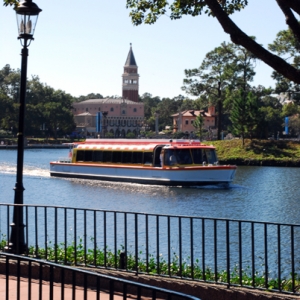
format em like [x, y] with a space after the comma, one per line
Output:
[35, 146]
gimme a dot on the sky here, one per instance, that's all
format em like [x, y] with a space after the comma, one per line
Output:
[81, 47]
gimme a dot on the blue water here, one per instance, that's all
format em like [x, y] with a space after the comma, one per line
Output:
[257, 193]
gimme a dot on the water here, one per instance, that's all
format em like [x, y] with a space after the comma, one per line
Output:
[267, 194]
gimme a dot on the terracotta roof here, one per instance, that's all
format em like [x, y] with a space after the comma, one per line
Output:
[192, 113]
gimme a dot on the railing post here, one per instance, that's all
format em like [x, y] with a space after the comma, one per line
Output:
[123, 261]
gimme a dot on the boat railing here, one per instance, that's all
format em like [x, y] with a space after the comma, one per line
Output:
[65, 159]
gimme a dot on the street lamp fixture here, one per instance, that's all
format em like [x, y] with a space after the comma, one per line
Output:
[27, 14]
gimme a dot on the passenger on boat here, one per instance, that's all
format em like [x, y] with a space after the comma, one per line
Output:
[161, 158]
[173, 160]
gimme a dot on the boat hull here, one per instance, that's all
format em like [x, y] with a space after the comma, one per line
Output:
[175, 176]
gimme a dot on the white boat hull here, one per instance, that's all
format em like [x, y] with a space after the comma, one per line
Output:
[175, 176]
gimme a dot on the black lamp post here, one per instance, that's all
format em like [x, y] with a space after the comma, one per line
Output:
[27, 15]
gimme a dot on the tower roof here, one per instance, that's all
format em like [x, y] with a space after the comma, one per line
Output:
[130, 61]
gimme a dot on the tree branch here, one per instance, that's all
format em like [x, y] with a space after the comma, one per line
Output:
[240, 38]
[291, 21]
[294, 5]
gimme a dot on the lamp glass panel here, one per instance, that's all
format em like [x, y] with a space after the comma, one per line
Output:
[26, 23]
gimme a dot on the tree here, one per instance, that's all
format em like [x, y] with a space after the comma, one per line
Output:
[11, 2]
[270, 109]
[226, 67]
[44, 105]
[294, 124]
[198, 124]
[287, 46]
[148, 12]
[244, 114]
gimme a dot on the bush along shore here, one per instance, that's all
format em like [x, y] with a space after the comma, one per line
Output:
[279, 153]
[96, 258]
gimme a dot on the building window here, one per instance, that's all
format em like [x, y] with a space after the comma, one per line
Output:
[192, 121]
[186, 122]
[134, 81]
[111, 109]
[87, 109]
[134, 110]
[123, 112]
[99, 109]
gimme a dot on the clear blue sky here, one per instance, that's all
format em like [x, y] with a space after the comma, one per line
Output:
[81, 46]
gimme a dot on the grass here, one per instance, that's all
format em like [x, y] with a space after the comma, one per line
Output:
[71, 255]
[258, 152]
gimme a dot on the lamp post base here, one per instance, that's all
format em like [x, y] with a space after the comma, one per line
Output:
[16, 244]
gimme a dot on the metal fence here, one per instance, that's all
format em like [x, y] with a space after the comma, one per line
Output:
[28, 278]
[244, 253]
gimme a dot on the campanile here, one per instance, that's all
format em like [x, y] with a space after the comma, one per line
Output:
[130, 84]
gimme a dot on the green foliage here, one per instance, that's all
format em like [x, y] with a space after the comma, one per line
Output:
[148, 11]
[260, 152]
[287, 46]
[109, 135]
[11, 2]
[198, 124]
[130, 135]
[244, 114]
[179, 135]
[225, 68]
[44, 105]
[155, 265]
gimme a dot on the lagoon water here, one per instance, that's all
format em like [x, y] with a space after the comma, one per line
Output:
[269, 194]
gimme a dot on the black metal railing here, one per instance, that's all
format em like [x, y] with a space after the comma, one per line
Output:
[259, 255]
[28, 278]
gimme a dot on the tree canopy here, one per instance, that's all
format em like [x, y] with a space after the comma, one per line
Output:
[148, 12]
[46, 108]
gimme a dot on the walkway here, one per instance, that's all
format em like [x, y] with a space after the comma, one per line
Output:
[79, 292]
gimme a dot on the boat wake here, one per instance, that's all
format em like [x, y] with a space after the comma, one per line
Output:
[28, 170]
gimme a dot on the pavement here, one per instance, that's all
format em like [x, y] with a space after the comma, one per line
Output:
[35, 293]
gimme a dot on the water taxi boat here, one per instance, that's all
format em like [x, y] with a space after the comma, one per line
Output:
[145, 161]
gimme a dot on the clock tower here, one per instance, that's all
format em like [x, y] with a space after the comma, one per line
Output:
[130, 77]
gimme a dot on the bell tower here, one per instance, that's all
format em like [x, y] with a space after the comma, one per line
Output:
[130, 78]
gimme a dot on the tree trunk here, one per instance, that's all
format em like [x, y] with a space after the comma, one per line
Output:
[220, 110]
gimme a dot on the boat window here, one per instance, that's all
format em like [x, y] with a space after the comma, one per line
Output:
[80, 155]
[88, 155]
[184, 156]
[170, 157]
[107, 156]
[98, 156]
[117, 156]
[211, 156]
[197, 156]
[137, 157]
[148, 158]
[127, 157]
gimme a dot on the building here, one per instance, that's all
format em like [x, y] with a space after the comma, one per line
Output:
[183, 121]
[120, 115]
